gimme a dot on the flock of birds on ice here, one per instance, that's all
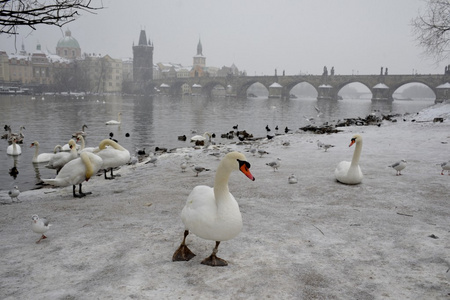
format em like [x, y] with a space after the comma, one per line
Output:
[75, 164]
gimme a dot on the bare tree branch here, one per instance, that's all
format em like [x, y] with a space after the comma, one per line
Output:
[432, 29]
[16, 13]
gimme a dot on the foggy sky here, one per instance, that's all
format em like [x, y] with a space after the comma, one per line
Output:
[258, 36]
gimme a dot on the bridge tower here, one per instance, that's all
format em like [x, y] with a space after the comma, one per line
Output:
[142, 61]
[198, 68]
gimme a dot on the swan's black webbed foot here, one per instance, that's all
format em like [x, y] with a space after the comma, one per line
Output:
[213, 260]
[183, 253]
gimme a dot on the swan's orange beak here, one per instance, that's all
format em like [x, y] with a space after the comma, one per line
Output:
[244, 168]
[352, 142]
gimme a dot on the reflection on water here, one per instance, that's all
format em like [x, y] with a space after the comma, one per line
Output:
[148, 122]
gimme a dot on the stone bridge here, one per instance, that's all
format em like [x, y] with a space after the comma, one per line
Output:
[382, 87]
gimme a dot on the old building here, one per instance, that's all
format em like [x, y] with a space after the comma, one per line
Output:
[68, 47]
[142, 60]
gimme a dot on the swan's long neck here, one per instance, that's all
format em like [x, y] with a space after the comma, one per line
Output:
[88, 164]
[36, 151]
[83, 144]
[108, 142]
[221, 190]
[356, 154]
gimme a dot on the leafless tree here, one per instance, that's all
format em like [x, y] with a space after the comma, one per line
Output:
[432, 29]
[16, 13]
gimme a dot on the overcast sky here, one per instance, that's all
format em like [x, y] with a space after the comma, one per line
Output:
[258, 36]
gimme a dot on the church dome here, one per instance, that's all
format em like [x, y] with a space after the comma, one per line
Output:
[68, 41]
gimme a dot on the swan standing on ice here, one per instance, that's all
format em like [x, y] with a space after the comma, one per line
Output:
[76, 171]
[61, 158]
[350, 172]
[114, 122]
[14, 149]
[399, 166]
[212, 213]
[40, 158]
[113, 156]
[40, 226]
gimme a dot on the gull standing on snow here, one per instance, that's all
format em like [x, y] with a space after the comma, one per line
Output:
[40, 226]
[274, 164]
[262, 152]
[14, 194]
[198, 169]
[445, 167]
[399, 166]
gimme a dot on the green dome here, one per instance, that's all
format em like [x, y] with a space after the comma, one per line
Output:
[68, 41]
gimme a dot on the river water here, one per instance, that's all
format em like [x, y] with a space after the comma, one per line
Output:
[157, 122]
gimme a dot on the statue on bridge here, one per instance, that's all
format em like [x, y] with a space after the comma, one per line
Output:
[332, 71]
[325, 71]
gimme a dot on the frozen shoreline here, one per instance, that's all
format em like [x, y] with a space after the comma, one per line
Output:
[316, 239]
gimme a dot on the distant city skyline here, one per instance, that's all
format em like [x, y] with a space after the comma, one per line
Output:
[354, 37]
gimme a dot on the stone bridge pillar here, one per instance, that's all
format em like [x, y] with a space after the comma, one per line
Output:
[325, 92]
[380, 92]
[442, 93]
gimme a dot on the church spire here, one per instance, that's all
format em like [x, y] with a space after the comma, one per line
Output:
[199, 48]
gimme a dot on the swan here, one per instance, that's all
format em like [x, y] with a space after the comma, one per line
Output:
[201, 138]
[19, 136]
[213, 213]
[81, 132]
[76, 172]
[66, 147]
[61, 158]
[113, 156]
[114, 122]
[399, 166]
[83, 147]
[14, 149]
[39, 158]
[350, 172]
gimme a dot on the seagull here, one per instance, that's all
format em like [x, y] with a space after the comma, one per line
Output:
[399, 166]
[292, 179]
[445, 167]
[262, 152]
[14, 194]
[133, 161]
[252, 151]
[152, 160]
[198, 169]
[39, 226]
[274, 164]
[327, 146]
[183, 166]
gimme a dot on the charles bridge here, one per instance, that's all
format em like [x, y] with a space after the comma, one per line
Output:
[381, 86]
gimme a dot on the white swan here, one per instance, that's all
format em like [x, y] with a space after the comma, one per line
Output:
[350, 172]
[113, 156]
[76, 172]
[213, 213]
[14, 149]
[61, 158]
[201, 138]
[83, 147]
[114, 122]
[40, 158]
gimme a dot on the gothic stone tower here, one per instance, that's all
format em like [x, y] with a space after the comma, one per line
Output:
[198, 69]
[143, 60]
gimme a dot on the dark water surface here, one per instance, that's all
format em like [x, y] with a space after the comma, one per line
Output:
[157, 121]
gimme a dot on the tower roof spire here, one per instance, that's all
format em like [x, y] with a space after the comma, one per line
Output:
[142, 39]
[199, 48]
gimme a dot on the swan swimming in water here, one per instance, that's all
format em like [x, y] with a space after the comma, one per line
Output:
[40, 158]
[113, 156]
[76, 171]
[114, 122]
[212, 213]
[350, 172]
[14, 149]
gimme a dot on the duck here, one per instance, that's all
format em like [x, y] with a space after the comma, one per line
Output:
[349, 172]
[76, 171]
[212, 213]
[40, 225]
[114, 122]
[61, 158]
[14, 149]
[81, 132]
[399, 166]
[445, 167]
[40, 158]
[14, 194]
[113, 155]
